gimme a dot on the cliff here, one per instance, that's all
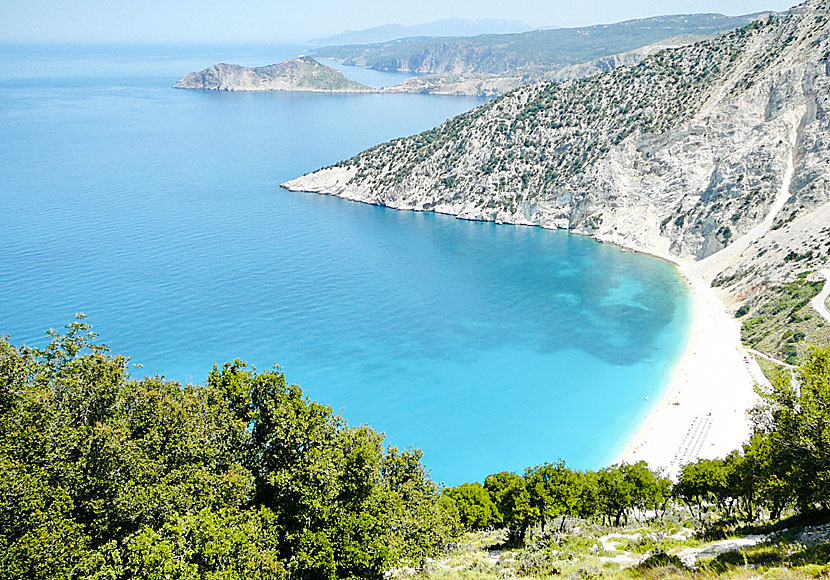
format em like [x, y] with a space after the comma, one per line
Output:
[299, 74]
[720, 147]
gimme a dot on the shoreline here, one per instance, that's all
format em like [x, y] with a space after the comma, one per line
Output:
[702, 413]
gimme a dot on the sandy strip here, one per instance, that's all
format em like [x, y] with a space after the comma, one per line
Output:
[703, 412]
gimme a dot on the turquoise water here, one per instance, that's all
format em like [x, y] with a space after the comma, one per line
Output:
[158, 213]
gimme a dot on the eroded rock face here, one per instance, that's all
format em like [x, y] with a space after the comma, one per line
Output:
[299, 74]
[683, 152]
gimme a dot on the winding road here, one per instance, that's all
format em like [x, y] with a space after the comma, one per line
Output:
[820, 301]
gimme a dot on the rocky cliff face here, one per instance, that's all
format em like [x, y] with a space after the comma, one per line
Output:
[299, 74]
[685, 152]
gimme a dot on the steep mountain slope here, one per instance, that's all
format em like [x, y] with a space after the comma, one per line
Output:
[719, 148]
[537, 50]
[299, 74]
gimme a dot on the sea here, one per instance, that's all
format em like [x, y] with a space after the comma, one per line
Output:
[158, 213]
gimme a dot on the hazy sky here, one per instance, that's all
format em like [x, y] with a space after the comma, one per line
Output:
[280, 21]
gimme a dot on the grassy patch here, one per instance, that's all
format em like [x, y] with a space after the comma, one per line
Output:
[781, 323]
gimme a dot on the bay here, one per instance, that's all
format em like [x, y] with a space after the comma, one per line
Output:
[158, 213]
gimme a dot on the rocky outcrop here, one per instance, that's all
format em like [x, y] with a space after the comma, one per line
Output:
[683, 153]
[299, 74]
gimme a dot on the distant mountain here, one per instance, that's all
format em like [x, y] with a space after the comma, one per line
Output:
[300, 74]
[534, 51]
[440, 28]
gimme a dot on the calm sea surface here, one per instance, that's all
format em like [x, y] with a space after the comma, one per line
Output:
[158, 213]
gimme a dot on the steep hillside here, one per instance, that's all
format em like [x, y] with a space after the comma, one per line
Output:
[538, 50]
[299, 74]
[721, 147]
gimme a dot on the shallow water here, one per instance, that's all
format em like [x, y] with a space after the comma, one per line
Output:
[158, 213]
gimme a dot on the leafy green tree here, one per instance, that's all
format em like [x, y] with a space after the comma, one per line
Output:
[650, 491]
[476, 510]
[589, 499]
[616, 494]
[795, 417]
[554, 492]
[745, 474]
[224, 544]
[510, 494]
[700, 484]
[768, 477]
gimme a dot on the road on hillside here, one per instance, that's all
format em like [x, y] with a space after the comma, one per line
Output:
[820, 301]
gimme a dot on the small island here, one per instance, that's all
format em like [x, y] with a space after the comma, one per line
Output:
[299, 74]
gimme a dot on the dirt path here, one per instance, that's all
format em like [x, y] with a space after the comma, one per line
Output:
[769, 358]
[820, 302]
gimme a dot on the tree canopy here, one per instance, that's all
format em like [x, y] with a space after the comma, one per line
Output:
[106, 476]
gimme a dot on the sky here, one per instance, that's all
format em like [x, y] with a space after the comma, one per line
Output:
[282, 22]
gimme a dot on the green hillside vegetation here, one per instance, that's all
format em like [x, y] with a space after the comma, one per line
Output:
[535, 51]
[594, 552]
[780, 321]
[106, 476]
[312, 74]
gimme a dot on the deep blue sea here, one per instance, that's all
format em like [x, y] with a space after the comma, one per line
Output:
[158, 213]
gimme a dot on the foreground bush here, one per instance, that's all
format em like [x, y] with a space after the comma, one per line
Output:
[105, 476]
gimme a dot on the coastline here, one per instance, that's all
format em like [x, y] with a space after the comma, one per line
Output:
[702, 413]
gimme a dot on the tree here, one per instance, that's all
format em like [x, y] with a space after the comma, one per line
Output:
[510, 494]
[554, 492]
[650, 491]
[700, 484]
[589, 500]
[616, 494]
[768, 475]
[794, 421]
[476, 510]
